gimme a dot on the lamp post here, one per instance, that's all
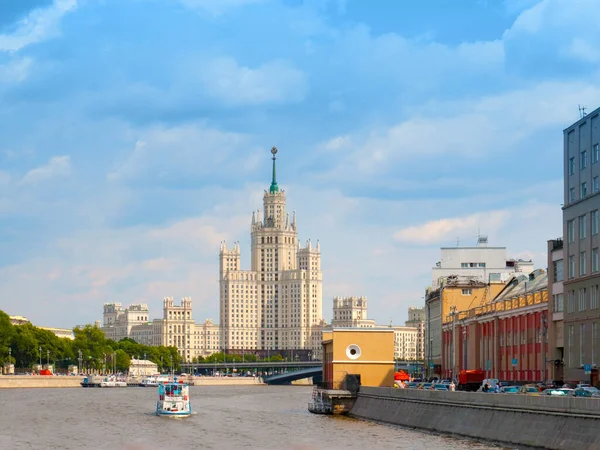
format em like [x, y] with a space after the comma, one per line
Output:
[80, 358]
[48, 357]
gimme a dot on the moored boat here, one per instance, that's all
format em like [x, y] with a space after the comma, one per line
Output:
[173, 400]
[154, 381]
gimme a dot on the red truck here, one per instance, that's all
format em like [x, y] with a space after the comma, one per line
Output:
[470, 380]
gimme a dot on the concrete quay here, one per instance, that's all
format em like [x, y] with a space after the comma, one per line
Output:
[558, 423]
[39, 381]
[42, 381]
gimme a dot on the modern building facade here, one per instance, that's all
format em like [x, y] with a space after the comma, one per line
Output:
[581, 225]
[505, 337]
[480, 263]
[277, 304]
[351, 312]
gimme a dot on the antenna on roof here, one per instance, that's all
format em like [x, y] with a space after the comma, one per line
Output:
[457, 241]
[582, 112]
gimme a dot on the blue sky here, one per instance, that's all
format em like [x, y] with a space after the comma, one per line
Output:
[135, 136]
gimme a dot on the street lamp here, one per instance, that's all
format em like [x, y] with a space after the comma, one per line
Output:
[48, 357]
[40, 349]
[80, 358]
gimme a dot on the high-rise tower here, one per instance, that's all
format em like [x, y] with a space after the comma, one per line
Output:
[277, 305]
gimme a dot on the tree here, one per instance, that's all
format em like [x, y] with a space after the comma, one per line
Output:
[25, 347]
[7, 333]
[123, 361]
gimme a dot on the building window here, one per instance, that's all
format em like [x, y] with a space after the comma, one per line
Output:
[558, 274]
[595, 185]
[595, 153]
[571, 302]
[570, 346]
[464, 265]
[582, 264]
[572, 165]
[582, 344]
[571, 231]
[467, 291]
[583, 226]
[571, 266]
[594, 297]
[558, 303]
[583, 192]
[595, 217]
[583, 161]
[582, 305]
[595, 259]
[572, 194]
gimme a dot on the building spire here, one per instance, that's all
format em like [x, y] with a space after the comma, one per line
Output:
[274, 188]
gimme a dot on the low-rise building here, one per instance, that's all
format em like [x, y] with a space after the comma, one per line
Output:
[142, 368]
[363, 352]
[504, 336]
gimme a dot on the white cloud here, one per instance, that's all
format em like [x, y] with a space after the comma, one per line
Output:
[16, 70]
[39, 25]
[479, 128]
[219, 6]
[58, 166]
[166, 153]
[440, 230]
[273, 82]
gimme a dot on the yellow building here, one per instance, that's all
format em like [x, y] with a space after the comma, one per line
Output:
[367, 353]
[456, 294]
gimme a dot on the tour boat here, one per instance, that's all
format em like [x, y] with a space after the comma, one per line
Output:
[112, 382]
[173, 400]
[154, 381]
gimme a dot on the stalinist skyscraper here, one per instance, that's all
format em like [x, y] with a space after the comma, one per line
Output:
[277, 304]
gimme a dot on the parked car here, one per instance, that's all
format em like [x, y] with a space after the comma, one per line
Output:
[556, 392]
[509, 389]
[440, 387]
[529, 390]
[585, 392]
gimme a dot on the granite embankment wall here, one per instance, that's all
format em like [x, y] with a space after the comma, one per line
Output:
[535, 421]
[38, 381]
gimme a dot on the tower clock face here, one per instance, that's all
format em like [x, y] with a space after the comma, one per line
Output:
[274, 150]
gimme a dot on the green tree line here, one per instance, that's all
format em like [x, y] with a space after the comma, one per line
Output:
[21, 344]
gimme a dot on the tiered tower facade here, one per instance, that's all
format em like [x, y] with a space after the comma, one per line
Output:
[277, 304]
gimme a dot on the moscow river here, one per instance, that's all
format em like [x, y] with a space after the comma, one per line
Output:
[226, 417]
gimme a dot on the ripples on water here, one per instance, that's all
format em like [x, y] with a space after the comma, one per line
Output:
[249, 417]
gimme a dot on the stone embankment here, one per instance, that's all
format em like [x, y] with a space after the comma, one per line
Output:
[534, 421]
[42, 381]
[39, 381]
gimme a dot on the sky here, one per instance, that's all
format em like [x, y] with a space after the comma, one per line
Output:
[135, 137]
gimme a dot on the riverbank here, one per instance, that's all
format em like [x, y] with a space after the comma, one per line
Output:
[40, 381]
[535, 421]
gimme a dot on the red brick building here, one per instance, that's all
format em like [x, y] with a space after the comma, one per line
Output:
[507, 337]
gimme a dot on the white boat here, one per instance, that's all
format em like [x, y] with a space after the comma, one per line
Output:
[112, 382]
[173, 400]
[154, 381]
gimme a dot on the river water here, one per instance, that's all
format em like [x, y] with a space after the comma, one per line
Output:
[226, 417]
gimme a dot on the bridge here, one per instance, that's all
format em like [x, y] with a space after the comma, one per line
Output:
[316, 373]
[262, 368]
